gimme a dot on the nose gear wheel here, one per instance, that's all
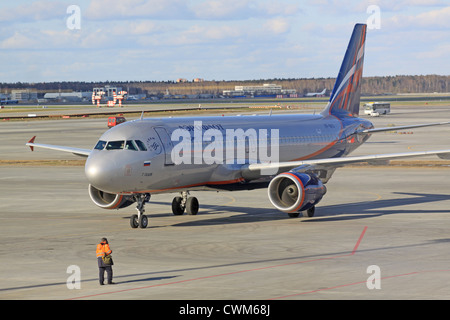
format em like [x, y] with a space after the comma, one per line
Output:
[140, 220]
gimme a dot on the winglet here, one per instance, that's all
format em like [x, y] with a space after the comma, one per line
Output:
[31, 141]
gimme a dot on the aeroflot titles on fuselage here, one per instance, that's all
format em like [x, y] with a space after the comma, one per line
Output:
[218, 145]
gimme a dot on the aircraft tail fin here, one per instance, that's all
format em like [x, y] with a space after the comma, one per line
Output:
[345, 97]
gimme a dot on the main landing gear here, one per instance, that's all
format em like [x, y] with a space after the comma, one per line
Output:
[181, 204]
[309, 213]
[185, 203]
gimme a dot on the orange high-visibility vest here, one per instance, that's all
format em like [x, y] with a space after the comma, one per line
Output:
[102, 249]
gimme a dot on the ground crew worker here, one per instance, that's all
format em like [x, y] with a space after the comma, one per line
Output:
[103, 249]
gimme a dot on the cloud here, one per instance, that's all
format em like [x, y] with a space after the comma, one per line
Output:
[242, 9]
[441, 51]
[277, 26]
[141, 28]
[221, 39]
[35, 11]
[434, 19]
[126, 9]
[18, 41]
[206, 34]
[188, 10]
[341, 6]
[217, 9]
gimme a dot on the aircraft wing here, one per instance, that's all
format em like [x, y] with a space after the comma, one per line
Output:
[76, 151]
[331, 163]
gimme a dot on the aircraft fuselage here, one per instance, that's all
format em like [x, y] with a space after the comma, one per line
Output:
[214, 149]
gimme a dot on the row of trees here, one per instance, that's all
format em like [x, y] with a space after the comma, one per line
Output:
[370, 85]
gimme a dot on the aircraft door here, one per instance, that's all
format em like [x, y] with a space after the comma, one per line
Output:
[167, 144]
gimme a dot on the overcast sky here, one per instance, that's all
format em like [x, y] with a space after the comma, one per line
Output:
[128, 40]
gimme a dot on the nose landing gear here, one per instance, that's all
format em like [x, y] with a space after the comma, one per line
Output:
[140, 220]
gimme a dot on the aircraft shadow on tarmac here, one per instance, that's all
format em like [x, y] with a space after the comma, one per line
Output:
[339, 212]
[368, 209]
[357, 210]
[43, 285]
[142, 279]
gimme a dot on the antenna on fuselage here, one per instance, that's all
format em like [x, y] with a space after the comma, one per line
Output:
[142, 116]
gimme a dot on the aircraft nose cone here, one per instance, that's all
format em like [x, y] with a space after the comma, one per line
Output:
[99, 174]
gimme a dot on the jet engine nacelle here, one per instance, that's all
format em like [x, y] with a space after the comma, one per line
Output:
[294, 192]
[109, 200]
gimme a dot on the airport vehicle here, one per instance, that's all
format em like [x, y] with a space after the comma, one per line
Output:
[139, 158]
[377, 108]
[114, 121]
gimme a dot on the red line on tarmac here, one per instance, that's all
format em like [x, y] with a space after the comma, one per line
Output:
[229, 273]
[359, 240]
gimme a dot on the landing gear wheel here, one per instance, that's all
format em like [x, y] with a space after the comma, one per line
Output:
[177, 207]
[134, 223]
[293, 214]
[192, 206]
[310, 212]
[143, 221]
[140, 220]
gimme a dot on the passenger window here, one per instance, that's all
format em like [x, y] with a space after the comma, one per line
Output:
[115, 145]
[129, 145]
[100, 145]
[141, 145]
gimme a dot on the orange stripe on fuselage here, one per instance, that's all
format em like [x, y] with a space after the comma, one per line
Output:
[190, 186]
[328, 146]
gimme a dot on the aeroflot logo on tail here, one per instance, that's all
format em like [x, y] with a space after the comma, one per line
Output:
[212, 144]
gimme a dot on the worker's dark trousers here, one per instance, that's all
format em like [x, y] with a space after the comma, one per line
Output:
[101, 274]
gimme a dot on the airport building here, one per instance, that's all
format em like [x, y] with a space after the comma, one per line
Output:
[108, 91]
[67, 96]
[266, 90]
[24, 95]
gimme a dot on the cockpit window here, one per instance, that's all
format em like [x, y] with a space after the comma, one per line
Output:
[134, 145]
[115, 145]
[141, 145]
[100, 145]
[129, 145]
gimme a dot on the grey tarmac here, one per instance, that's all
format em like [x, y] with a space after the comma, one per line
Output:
[238, 247]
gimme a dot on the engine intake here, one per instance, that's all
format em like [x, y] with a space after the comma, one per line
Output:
[294, 192]
[109, 200]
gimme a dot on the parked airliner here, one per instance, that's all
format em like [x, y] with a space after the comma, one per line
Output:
[316, 94]
[292, 155]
